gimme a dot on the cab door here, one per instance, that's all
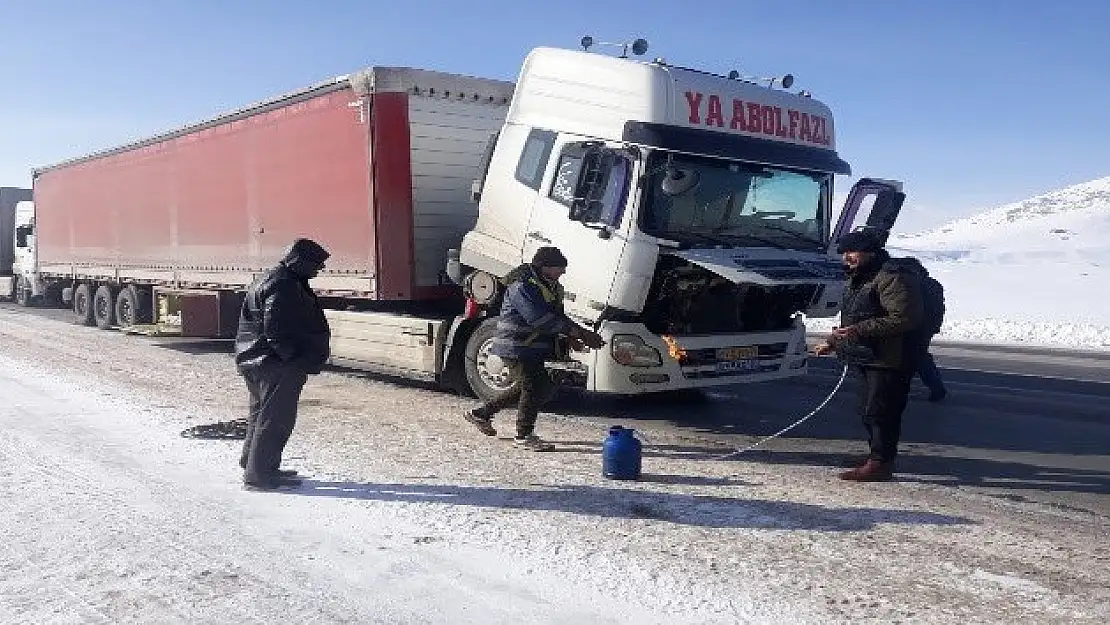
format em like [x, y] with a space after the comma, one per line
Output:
[581, 211]
[872, 204]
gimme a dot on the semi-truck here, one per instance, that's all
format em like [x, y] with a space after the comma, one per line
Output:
[15, 211]
[695, 210]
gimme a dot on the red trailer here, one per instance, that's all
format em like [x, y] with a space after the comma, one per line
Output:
[377, 166]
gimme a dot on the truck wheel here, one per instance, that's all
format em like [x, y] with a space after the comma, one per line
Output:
[23, 293]
[486, 373]
[82, 304]
[130, 309]
[53, 297]
[104, 307]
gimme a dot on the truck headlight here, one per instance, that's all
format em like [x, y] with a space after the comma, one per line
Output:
[631, 351]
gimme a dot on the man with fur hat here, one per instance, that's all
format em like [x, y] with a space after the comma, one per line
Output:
[283, 338]
[882, 310]
[531, 321]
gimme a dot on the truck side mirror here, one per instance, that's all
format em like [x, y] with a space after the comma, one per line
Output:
[590, 187]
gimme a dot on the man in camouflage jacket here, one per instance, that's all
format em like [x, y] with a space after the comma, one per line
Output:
[531, 321]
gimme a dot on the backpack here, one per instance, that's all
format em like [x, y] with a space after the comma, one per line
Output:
[933, 299]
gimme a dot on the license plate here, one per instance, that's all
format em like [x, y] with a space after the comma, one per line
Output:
[738, 353]
[734, 366]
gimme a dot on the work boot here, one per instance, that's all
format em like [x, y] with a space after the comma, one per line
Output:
[484, 425]
[271, 482]
[532, 443]
[871, 471]
[938, 394]
[280, 472]
[852, 462]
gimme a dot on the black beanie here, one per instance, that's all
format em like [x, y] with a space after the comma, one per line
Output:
[549, 257]
[859, 241]
[307, 251]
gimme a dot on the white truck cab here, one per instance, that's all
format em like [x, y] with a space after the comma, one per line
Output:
[22, 285]
[695, 211]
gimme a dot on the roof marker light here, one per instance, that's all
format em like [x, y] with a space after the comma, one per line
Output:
[639, 47]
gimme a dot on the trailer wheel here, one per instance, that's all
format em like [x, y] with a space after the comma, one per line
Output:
[23, 293]
[486, 373]
[130, 308]
[82, 304]
[104, 307]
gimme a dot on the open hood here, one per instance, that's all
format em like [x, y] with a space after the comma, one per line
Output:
[766, 267]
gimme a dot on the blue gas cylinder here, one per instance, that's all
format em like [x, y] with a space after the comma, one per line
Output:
[620, 454]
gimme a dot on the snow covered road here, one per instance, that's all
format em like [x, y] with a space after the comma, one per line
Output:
[107, 521]
[108, 515]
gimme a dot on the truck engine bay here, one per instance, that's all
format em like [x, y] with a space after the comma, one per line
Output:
[687, 299]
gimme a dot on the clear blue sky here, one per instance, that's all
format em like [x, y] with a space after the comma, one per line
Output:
[973, 103]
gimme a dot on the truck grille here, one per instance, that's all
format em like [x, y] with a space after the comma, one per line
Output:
[708, 363]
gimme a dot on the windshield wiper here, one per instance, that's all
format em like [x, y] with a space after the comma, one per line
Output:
[770, 241]
[753, 237]
[793, 233]
[707, 238]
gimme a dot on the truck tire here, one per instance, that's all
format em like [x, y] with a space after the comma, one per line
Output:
[104, 307]
[52, 298]
[131, 307]
[453, 376]
[23, 293]
[477, 363]
[82, 304]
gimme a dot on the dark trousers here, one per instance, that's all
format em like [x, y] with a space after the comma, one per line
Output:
[275, 390]
[884, 394]
[927, 368]
[535, 388]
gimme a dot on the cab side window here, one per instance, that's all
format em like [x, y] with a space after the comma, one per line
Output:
[534, 157]
[22, 236]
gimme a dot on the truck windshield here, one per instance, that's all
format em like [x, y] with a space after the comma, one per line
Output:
[707, 201]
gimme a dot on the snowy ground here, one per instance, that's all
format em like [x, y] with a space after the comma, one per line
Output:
[410, 517]
[1030, 273]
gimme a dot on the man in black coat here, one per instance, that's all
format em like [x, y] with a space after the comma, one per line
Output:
[283, 338]
[880, 317]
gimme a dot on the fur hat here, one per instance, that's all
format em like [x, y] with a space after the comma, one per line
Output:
[305, 257]
[549, 257]
[860, 241]
[308, 251]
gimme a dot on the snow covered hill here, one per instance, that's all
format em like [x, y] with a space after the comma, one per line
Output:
[1070, 225]
[1033, 272]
